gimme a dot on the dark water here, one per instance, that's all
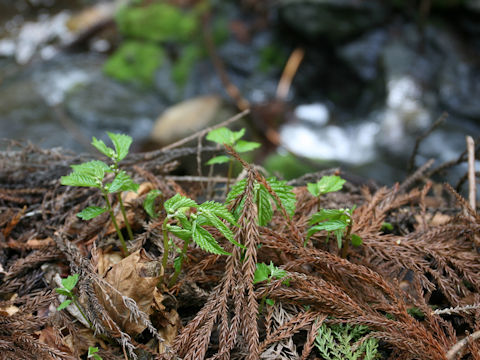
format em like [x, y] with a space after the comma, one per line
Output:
[360, 101]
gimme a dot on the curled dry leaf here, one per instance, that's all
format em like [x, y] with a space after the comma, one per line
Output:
[136, 276]
[166, 320]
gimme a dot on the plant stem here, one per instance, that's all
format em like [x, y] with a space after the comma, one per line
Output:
[74, 299]
[174, 278]
[165, 245]
[346, 243]
[114, 221]
[229, 174]
[127, 224]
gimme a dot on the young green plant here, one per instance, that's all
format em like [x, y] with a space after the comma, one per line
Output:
[92, 353]
[325, 185]
[224, 135]
[264, 272]
[68, 284]
[92, 174]
[264, 199]
[187, 220]
[339, 222]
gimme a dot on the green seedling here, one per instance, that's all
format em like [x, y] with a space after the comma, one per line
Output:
[149, 203]
[336, 221]
[342, 341]
[224, 135]
[68, 284]
[325, 185]
[92, 173]
[92, 353]
[264, 199]
[189, 225]
[264, 272]
[386, 227]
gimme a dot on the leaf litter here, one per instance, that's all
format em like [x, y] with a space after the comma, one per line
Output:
[414, 283]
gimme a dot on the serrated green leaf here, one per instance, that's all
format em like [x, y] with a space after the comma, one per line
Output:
[327, 184]
[63, 291]
[356, 240]
[96, 168]
[104, 149]
[92, 353]
[270, 302]
[122, 144]
[332, 225]
[264, 206]
[262, 273]
[237, 135]
[236, 191]
[207, 242]
[80, 179]
[327, 214]
[64, 304]
[339, 236]
[221, 135]
[224, 135]
[219, 210]
[177, 202]
[313, 189]
[177, 263]
[70, 282]
[285, 193]
[181, 233]
[214, 221]
[149, 203]
[221, 159]
[91, 212]
[186, 224]
[122, 182]
[276, 272]
[243, 146]
[92, 350]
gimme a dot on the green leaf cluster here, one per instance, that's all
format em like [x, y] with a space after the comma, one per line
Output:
[149, 203]
[325, 185]
[264, 200]
[336, 221]
[192, 226]
[264, 272]
[92, 353]
[67, 290]
[339, 342]
[92, 173]
[224, 135]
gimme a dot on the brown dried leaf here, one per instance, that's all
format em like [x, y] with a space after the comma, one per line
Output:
[136, 276]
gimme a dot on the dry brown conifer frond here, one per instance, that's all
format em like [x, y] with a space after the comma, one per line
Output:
[286, 324]
[237, 286]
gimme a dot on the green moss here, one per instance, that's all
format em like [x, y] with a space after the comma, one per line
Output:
[181, 70]
[286, 166]
[157, 22]
[272, 57]
[135, 61]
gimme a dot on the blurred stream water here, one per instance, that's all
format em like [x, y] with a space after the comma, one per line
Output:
[358, 101]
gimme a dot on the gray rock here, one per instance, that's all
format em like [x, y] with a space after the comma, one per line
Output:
[335, 19]
[459, 88]
[363, 54]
